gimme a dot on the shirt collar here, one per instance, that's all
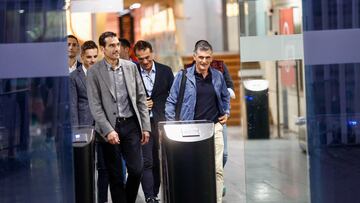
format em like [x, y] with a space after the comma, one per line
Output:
[84, 69]
[73, 67]
[152, 71]
[108, 66]
[199, 74]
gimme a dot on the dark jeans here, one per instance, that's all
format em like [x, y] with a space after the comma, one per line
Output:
[150, 181]
[130, 149]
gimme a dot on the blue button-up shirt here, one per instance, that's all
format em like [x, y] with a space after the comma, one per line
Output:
[149, 80]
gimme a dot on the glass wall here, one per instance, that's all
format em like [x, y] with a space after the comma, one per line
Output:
[312, 74]
[271, 49]
[35, 136]
[332, 71]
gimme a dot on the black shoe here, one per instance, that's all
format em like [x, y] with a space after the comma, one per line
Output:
[152, 200]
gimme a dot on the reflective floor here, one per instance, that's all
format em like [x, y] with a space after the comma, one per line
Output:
[276, 171]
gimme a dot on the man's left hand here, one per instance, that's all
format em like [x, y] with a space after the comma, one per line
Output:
[223, 119]
[145, 137]
[149, 103]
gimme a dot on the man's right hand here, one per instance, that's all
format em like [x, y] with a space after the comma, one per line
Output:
[113, 137]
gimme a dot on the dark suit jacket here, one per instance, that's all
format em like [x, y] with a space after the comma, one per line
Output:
[102, 98]
[79, 104]
[164, 78]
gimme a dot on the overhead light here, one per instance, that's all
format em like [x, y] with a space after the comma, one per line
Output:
[96, 6]
[135, 6]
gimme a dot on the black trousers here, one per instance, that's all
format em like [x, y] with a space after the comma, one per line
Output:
[130, 149]
[103, 180]
[150, 181]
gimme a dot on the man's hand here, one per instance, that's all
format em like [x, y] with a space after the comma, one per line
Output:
[145, 137]
[113, 137]
[149, 103]
[223, 119]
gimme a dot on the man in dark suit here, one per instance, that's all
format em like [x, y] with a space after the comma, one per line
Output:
[80, 110]
[73, 51]
[157, 79]
[117, 102]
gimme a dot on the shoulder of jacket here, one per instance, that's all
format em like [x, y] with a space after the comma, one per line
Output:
[98, 65]
[161, 65]
[73, 74]
[215, 71]
[124, 62]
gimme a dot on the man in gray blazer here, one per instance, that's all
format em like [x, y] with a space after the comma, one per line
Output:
[117, 102]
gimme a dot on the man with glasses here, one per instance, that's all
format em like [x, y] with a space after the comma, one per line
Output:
[157, 79]
[207, 98]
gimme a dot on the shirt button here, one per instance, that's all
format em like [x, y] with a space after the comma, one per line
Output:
[114, 113]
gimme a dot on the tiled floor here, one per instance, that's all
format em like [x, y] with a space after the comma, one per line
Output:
[264, 171]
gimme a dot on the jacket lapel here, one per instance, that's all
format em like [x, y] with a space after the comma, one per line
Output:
[215, 81]
[105, 76]
[82, 77]
[190, 75]
[157, 78]
[127, 77]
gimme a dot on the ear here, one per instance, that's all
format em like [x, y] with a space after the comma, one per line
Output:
[102, 48]
[194, 56]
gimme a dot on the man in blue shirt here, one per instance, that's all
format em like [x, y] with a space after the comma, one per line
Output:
[205, 98]
[157, 79]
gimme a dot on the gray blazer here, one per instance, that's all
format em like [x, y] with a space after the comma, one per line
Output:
[102, 98]
[79, 104]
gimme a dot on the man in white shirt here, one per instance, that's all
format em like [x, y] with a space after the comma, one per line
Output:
[73, 51]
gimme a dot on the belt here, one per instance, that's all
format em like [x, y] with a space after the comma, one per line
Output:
[123, 119]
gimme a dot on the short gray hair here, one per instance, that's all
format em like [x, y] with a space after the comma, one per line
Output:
[202, 45]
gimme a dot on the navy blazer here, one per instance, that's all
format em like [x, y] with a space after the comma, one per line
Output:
[164, 78]
[79, 105]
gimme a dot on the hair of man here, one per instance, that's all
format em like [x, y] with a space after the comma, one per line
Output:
[124, 42]
[202, 45]
[105, 35]
[142, 45]
[88, 45]
[72, 36]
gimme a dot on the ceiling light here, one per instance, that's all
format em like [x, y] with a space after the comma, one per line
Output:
[135, 6]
